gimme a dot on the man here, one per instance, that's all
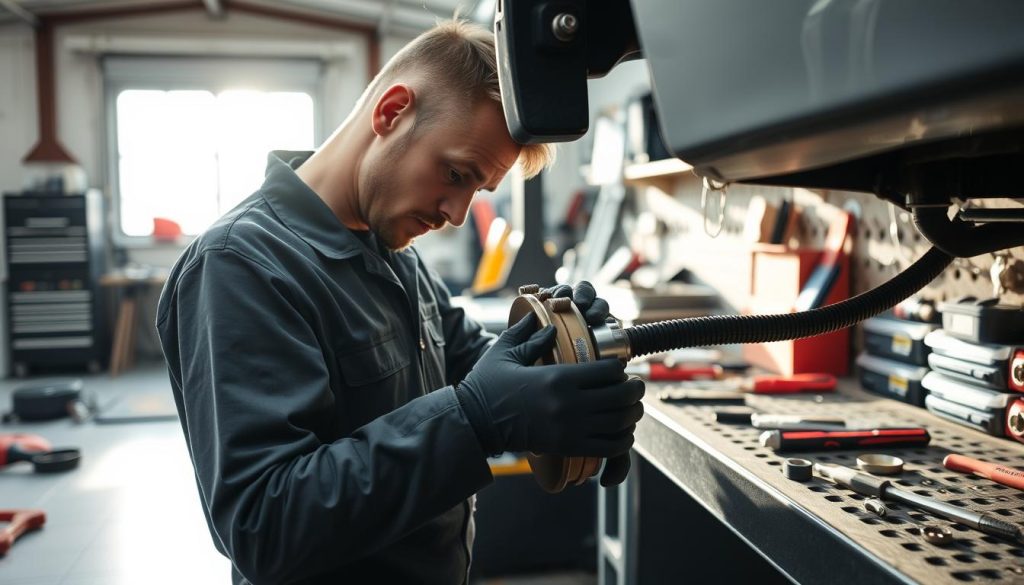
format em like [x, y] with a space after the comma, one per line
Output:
[338, 410]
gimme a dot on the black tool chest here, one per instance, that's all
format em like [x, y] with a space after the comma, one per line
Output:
[55, 256]
[816, 531]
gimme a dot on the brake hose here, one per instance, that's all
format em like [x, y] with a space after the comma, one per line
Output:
[725, 329]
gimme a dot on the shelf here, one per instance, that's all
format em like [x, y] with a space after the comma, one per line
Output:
[659, 172]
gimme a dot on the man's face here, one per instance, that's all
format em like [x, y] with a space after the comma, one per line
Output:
[422, 182]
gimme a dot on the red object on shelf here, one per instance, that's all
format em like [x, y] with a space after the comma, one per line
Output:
[166, 230]
[794, 384]
[778, 276]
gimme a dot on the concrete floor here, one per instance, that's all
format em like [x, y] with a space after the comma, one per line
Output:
[130, 513]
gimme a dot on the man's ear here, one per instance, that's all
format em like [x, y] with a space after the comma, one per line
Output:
[394, 105]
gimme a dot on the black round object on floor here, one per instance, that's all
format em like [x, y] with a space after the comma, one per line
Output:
[57, 460]
[46, 400]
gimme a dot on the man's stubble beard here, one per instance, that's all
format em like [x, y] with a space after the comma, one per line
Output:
[381, 188]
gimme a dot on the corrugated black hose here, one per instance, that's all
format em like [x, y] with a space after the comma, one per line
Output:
[723, 329]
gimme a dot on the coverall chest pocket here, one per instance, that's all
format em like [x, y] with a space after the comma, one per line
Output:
[432, 345]
[374, 362]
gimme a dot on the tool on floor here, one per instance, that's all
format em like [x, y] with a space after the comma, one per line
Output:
[797, 469]
[20, 522]
[17, 447]
[777, 421]
[45, 400]
[1001, 474]
[880, 463]
[661, 372]
[783, 440]
[868, 485]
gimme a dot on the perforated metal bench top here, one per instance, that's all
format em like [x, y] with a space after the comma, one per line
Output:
[817, 532]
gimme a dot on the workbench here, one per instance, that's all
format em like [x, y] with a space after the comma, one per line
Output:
[813, 532]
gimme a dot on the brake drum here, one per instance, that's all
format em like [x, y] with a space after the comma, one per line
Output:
[573, 344]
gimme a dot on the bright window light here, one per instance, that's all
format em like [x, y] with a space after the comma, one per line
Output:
[190, 156]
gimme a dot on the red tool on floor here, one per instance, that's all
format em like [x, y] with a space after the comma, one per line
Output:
[15, 447]
[20, 522]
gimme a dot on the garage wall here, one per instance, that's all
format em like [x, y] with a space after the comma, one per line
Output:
[564, 178]
[80, 98]
[81, 123]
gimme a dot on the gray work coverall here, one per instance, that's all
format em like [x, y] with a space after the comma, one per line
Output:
[313, 378]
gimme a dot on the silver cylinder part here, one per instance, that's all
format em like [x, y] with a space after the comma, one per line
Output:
[610, 340]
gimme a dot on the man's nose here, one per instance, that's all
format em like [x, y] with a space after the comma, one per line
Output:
[455, 207]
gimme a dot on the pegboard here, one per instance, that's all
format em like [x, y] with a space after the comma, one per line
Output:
[896, 538]
[680, 240]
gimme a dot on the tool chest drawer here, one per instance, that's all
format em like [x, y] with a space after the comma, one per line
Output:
[55, 254]
[819, 532]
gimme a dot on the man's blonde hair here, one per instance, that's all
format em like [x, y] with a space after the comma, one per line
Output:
[457, 59]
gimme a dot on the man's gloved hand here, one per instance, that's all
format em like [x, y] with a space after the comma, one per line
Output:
[594, 310]
[572, 410]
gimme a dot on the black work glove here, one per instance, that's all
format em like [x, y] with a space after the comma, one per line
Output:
[583, 295]
[595, 310]
[572, 410]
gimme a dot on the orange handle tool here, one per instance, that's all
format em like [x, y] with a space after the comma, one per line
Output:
[1007, 476]
[21, 521]
[792, 384]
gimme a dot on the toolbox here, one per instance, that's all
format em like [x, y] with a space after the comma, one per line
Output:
[897, 339]
[986, 422]
[985, 375]
[983, 320]
[978, 363]
[892, 378]
[968, 404]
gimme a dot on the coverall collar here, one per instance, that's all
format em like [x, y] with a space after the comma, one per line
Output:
[302, 210]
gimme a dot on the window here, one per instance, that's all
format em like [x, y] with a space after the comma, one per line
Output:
[190, 138]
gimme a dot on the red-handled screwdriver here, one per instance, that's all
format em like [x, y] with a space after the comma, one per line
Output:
[780, 440]
[1007, 476]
